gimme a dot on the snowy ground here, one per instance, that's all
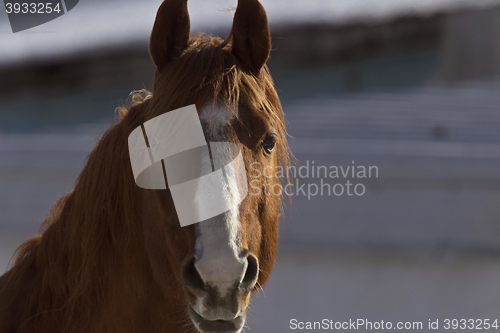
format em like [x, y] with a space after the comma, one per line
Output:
[95, 25]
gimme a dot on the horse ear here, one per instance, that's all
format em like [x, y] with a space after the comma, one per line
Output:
[170, 35]
[251, 36]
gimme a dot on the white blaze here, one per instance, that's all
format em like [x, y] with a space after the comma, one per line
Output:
[220, 259]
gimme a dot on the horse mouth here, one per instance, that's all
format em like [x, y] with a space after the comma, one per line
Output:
[217, 326]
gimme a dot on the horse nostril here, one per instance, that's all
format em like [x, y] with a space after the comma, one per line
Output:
[251, 274]
[190, 275]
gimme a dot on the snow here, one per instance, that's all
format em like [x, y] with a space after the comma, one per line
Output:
[94, 24]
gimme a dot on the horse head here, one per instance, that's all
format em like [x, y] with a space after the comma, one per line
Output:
[219, 262]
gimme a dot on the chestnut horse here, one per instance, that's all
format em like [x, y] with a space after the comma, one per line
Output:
[113, 257]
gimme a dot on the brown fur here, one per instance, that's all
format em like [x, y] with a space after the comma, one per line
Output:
[109, 254]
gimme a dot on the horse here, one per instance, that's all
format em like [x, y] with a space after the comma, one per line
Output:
[111, 256]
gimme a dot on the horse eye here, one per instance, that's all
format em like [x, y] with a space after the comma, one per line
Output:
[269, 142]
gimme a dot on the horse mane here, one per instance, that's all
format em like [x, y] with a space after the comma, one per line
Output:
[64, 271]
[82, 236]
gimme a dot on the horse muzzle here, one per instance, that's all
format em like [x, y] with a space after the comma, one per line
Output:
[219, 326]
[219, 304]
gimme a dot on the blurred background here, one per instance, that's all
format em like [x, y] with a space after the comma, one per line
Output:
[412, 87]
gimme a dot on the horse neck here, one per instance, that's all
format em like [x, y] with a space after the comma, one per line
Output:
[90, 261]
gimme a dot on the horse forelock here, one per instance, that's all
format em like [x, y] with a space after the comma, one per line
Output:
[209, 75]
